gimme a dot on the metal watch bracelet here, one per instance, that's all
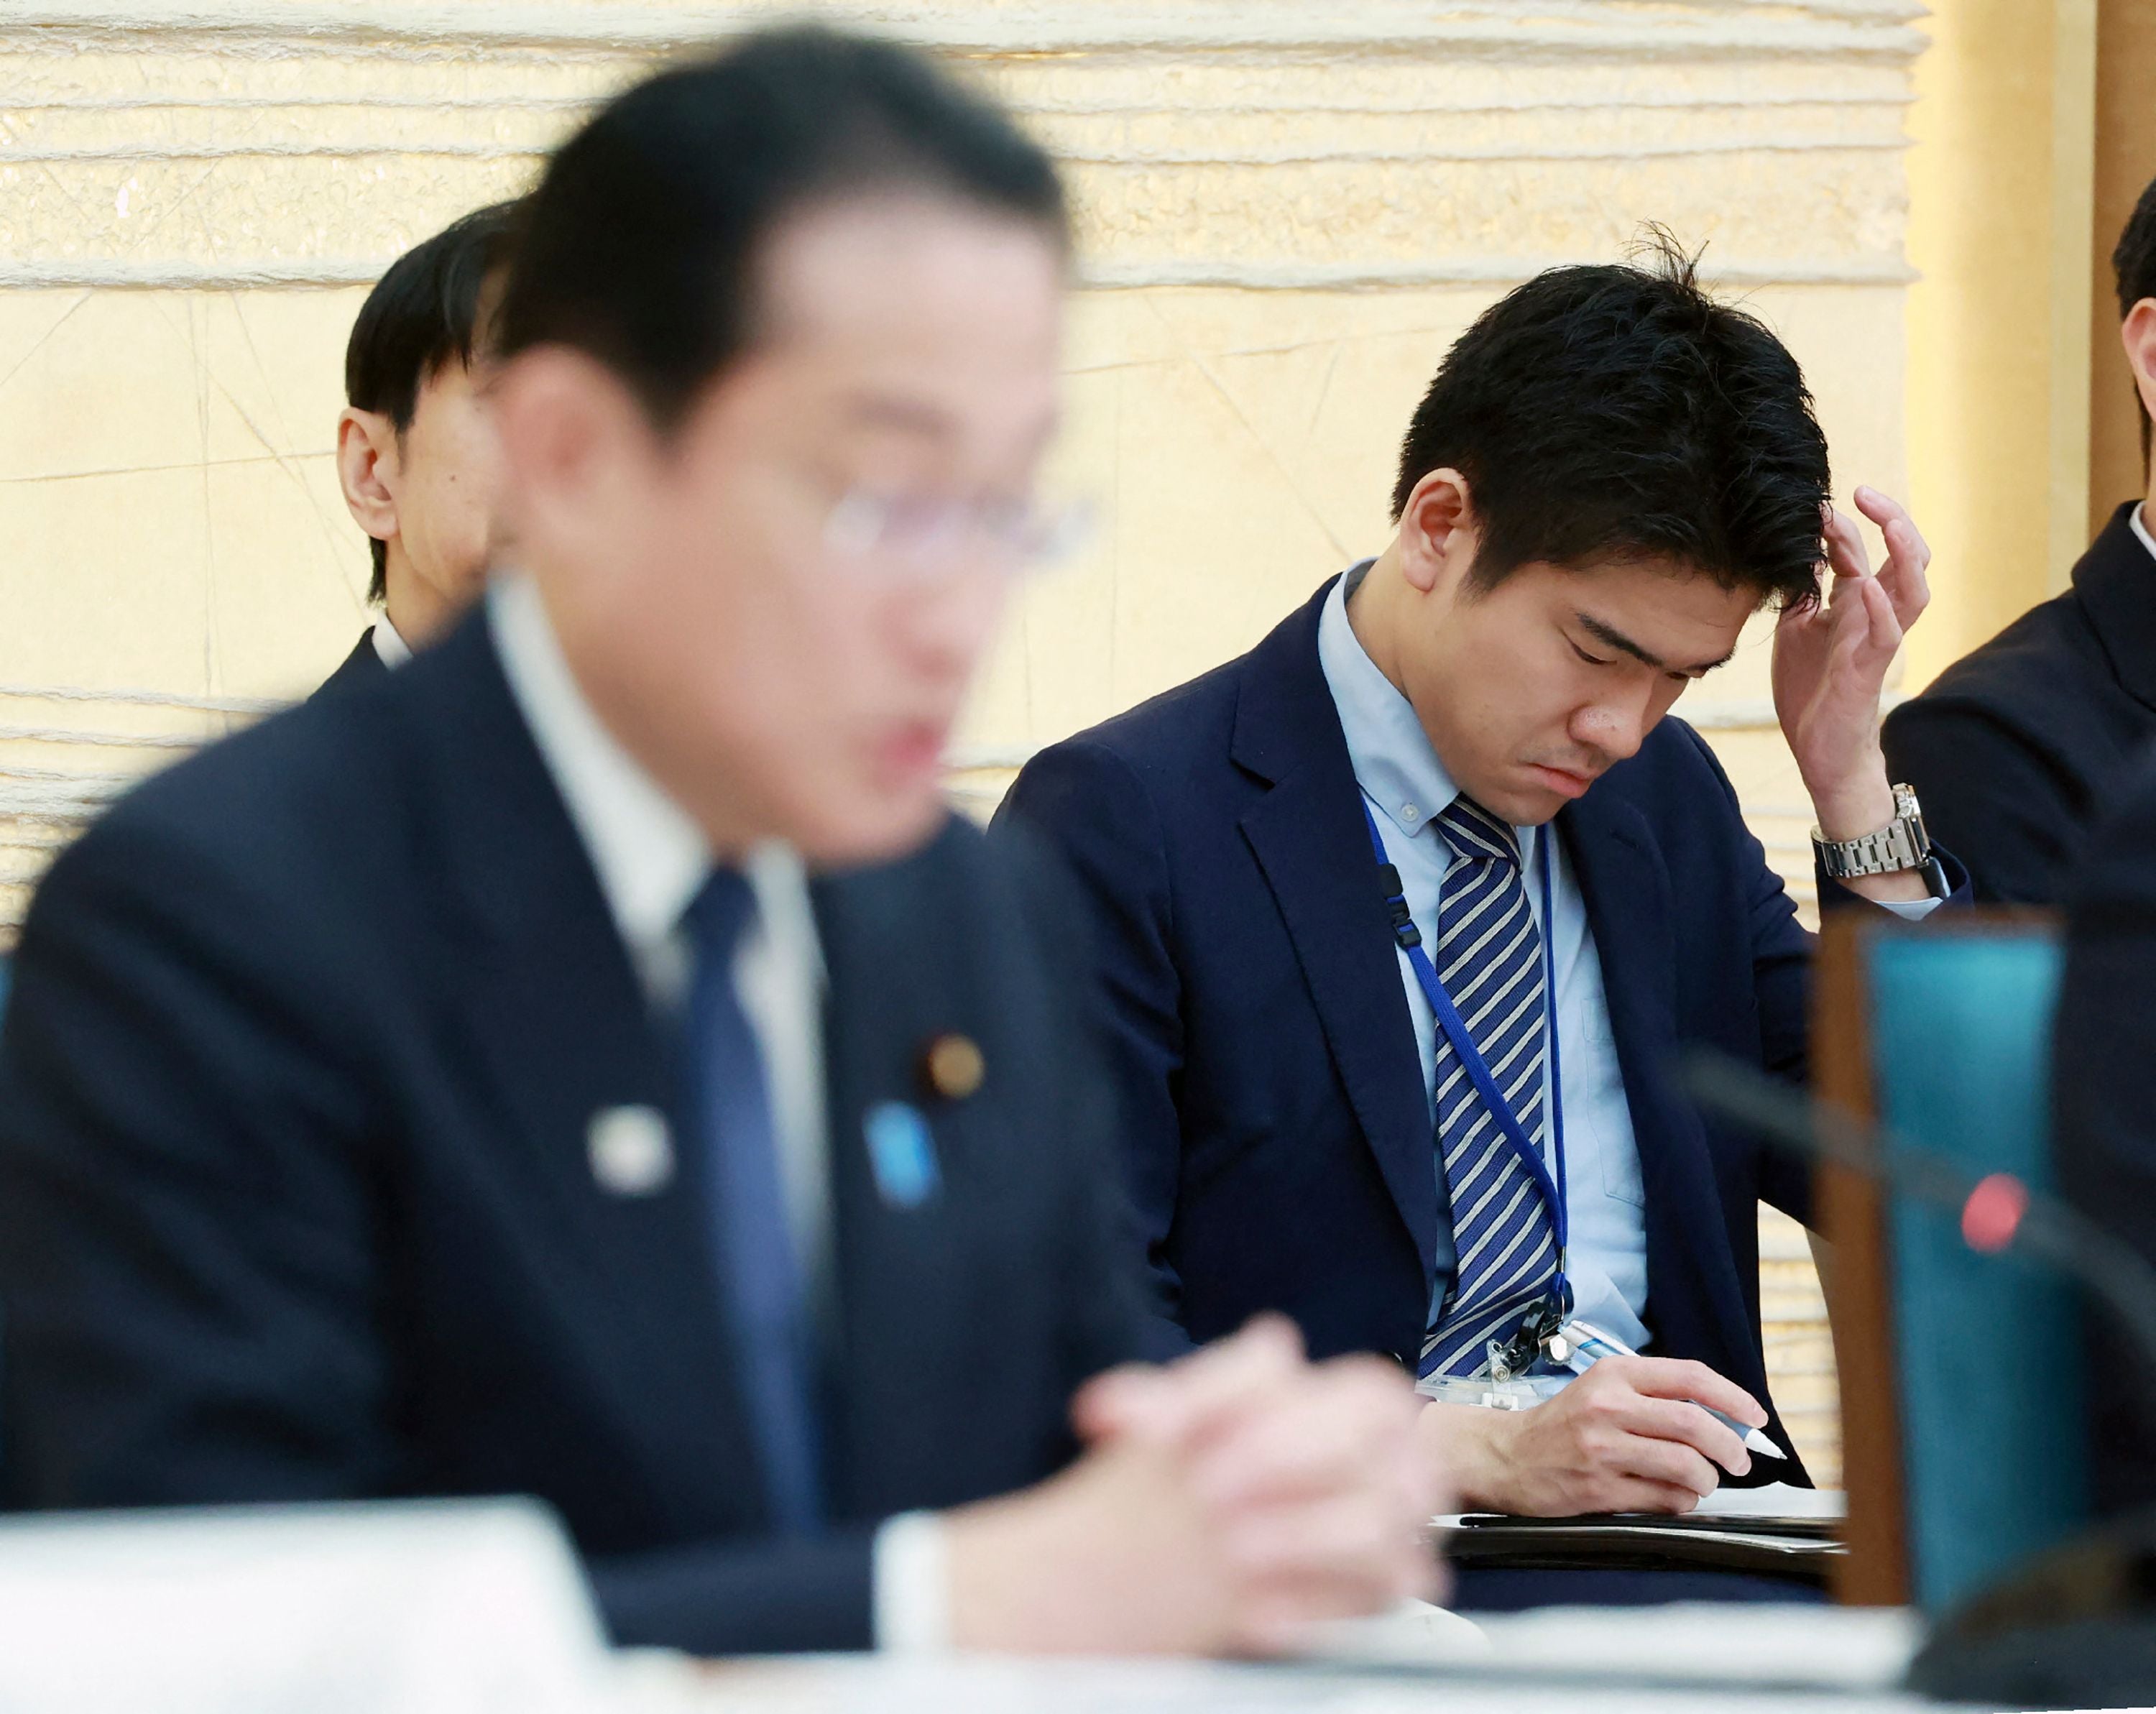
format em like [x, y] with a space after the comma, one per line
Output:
[1902, 844]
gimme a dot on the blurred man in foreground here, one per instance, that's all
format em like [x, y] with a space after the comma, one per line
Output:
[463, 1084]
[416, 453]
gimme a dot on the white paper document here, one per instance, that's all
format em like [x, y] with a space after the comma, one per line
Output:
[1776, 1499]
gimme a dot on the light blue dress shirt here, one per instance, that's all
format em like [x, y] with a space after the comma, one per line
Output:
[1404, 782]
[1408, 788]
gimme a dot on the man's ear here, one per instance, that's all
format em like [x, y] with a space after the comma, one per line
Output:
[1439, 534]
[366, 459]
[2138, 335]
[573, 439]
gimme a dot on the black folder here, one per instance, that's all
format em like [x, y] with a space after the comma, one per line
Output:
[1803, 1548]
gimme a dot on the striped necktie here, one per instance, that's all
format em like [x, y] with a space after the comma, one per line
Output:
[1489, 957]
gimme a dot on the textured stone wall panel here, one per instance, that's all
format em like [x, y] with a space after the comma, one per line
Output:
[1454, 148]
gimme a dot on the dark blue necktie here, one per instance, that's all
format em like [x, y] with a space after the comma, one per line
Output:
[766, 1290]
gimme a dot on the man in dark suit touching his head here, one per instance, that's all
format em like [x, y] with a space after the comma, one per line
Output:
[591, 1062]
[1402, 916]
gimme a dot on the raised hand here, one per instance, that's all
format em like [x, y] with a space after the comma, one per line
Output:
[1831, 662]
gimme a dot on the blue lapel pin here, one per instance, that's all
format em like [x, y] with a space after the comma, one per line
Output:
[902, 1154]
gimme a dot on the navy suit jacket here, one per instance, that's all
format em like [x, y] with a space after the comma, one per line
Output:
[362, 666]
[2019, 749]
[2103, 1131]
[1265, 1054]
[295, 1202]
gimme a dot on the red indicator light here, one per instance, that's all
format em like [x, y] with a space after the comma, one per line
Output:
[1993, 1212]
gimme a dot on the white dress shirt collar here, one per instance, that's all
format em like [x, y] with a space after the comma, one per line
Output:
[2141, 530]
[650, 857]
[1393, 757]
[390, 647]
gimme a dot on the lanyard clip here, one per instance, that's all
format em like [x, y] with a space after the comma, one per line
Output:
[1518, 1354]
[1396, 901]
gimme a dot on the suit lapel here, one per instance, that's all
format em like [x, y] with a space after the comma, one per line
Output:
[2115, 579]
[1625, 885]
[554, 1020]
[902, 1276]
[1308, 836]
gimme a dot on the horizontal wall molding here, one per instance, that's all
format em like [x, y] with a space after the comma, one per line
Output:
[80, 735]
[96, 272]
[268, 274]
[130, 698]
[1439, 272]
[1557, 28]
[1790, 143]
[1359, 106]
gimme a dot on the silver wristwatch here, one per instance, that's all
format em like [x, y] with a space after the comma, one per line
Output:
[1902, 844]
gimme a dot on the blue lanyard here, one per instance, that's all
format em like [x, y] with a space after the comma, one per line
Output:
[1472, 1061]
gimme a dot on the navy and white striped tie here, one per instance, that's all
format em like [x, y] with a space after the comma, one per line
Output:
[1489, 957]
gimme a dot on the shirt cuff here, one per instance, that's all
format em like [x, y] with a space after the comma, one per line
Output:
[912, 1581]
[1910, 909]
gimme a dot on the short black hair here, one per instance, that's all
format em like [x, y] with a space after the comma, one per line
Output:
[422, 315]
[2133, 263]
[640, 245]
[1613, 412]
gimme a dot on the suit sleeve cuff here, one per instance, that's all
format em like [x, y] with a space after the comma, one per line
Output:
[912, 1585]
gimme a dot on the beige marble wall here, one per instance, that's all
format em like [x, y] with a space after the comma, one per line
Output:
[1288, 209]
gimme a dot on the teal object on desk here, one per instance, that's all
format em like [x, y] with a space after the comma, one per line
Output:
[1987, 1348]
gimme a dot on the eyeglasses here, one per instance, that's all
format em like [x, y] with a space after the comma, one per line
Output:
[919, 534]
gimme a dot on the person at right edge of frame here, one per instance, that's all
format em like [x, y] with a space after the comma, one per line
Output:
[2020, 747]
[1403, 917]
[2043, 741]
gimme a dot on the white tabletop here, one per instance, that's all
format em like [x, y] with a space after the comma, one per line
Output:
[1733, 1660]
[866, 1685]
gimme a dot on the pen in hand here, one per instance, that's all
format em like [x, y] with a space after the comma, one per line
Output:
[1580, 1346]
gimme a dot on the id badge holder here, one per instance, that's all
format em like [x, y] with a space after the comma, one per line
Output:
[1521, 1393]
[1504, 1383]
